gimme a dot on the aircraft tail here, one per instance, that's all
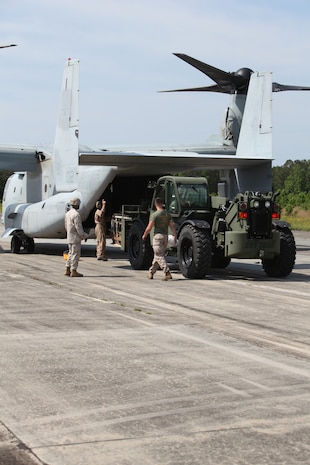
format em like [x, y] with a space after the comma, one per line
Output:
[67, 131]
[255, 138]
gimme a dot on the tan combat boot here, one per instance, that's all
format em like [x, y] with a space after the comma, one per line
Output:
[67, 272]
[150, 275]
[75, 274]
[167, 276]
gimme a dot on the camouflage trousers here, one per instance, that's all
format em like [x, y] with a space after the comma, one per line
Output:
[160, 242]
[74, 255]
[101, 240]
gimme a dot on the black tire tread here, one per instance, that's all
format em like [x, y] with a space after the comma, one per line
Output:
[140, 252]
[200, 242]
[283, 264]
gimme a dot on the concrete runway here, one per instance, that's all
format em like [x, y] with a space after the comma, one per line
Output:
[116, 369]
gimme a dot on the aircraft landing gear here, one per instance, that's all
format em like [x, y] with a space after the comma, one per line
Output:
[20, 240]
[16, 244]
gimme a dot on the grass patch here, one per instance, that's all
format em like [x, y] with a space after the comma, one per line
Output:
[299, 219]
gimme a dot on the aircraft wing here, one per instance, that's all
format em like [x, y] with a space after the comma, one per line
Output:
[165, 161]
[18, 158]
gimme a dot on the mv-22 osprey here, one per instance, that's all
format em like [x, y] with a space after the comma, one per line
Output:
[37, 195]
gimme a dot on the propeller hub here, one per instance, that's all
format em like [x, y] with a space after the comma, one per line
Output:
[243, 75]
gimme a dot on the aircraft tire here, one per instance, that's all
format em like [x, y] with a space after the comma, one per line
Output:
[283, 264]
[29, 245]
[16, 244]
[140, 252]
[194, 252]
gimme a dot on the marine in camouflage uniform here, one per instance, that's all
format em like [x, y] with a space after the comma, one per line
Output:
[75, 235]
[100, 229]
[160, 220]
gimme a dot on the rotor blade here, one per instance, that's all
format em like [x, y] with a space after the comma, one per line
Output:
[276, 87]
[5, 46]
[214, 88]
[228, 81]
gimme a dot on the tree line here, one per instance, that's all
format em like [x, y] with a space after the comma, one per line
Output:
[292, 180]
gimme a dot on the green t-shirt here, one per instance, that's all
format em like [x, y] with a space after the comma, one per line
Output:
[161, 220]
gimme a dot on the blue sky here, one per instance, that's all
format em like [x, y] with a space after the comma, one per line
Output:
[125, 49]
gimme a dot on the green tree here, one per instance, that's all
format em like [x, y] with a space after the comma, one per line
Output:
[293, 182]
[279, 175]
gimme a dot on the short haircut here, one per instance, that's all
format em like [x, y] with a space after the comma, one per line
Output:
[159, 201]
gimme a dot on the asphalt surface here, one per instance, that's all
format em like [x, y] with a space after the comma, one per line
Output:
[116, 369]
